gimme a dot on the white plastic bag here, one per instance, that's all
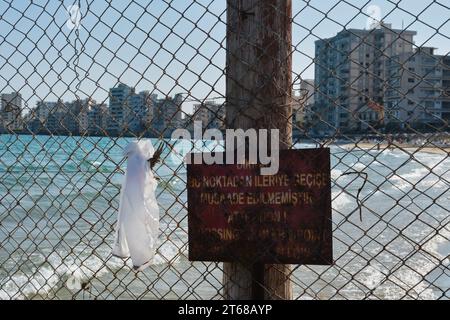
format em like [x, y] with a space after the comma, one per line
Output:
[138, 219]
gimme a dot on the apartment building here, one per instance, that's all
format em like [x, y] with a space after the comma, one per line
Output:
[98, 119]
[350, 72]
[211, 114]
[141, 105]
[11, 112]
[302, 104]
[119, 108]
[167, 114]
[418, 91]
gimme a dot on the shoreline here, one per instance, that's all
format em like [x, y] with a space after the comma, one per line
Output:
[396, 146]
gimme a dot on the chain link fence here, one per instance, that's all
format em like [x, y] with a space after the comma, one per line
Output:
[79, 80]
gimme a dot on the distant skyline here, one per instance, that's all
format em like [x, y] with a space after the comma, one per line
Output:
[158, 38]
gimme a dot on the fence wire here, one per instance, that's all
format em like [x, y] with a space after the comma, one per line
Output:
[79, 80]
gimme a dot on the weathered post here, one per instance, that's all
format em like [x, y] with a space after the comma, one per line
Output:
[258, 94]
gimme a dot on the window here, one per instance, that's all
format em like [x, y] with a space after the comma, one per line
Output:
[428, 92]
[429, 60]
[429, 104]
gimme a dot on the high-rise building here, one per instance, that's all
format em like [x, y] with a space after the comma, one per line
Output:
[75, 121]
[135, 113]
[38, 117]
[98, 119]
[11, 112]
[141, 112]
[55, 123]
[83, 116]
[119, 108]
[350, 74]
[44, 109]
[167, 114]
[302, 102]
[211, 114]
[418, 91]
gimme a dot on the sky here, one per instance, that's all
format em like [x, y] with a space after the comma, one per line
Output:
[169, 47]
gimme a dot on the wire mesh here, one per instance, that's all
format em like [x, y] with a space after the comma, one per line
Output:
[80, 79]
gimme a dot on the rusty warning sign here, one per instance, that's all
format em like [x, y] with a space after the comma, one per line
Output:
[237, 214]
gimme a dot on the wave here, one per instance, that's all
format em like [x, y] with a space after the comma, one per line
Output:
[62, 269]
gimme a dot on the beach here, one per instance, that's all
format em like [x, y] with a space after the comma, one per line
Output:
[409, 148]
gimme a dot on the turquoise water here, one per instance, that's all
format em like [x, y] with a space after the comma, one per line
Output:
[59, 201]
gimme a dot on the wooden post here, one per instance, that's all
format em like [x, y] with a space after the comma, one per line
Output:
[258, 94]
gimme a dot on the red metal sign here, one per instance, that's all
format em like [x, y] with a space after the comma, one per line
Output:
[236, 214]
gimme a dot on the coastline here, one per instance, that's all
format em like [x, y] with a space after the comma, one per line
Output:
[397, 146]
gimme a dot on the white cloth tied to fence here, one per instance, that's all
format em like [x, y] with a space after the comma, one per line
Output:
[138, 219]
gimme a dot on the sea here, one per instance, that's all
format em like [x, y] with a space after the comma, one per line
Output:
[59, 200]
